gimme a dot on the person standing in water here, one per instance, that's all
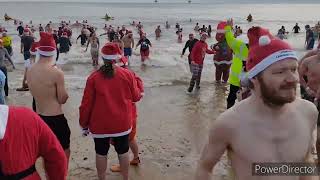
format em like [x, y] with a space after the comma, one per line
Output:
[128, 43]
[83, 38]
[296, 28]
[64, 44]
[198, 54]
[158, 33]
[145, 45]
[189, 44]
[95, 46]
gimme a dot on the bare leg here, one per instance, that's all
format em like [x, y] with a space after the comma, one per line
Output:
[124, 165]
[318, 145]
[101, 164]
[134, 148]
[67, 152]
[24, 81]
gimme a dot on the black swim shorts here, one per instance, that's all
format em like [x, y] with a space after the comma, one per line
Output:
[121, 145]
[59, 126]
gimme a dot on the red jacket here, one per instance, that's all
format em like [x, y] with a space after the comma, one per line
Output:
[106, 107]
[199, 51]
[27, 138]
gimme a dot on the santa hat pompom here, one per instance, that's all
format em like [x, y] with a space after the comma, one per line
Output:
[264, 40]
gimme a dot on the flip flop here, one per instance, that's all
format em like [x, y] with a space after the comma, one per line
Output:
[23, 89]
[115, 168]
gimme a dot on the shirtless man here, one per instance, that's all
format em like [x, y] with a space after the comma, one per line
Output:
[128, 43]
[46, 83]
[158, 33]
[272, 125]
[309, 68]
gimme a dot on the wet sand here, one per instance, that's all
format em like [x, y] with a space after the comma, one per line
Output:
[172, 127]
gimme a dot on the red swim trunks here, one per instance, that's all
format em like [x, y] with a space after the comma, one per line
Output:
[144, 54]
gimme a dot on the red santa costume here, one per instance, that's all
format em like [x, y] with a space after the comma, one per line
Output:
[198, 54]
[222, 58]
[106, 107]
[24, 137]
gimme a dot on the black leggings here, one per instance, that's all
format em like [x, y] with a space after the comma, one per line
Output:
[231, 100]
[6, 87]
[121, 145]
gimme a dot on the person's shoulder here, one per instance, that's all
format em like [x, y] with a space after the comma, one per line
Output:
[307, 108]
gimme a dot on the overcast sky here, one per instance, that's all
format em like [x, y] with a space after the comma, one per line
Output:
[175, 1]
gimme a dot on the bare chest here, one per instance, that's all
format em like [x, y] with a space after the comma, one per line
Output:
[267, 141]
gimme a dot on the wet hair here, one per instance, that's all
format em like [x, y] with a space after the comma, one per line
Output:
[107, 69]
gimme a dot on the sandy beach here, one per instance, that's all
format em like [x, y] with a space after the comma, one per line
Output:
[172, 128]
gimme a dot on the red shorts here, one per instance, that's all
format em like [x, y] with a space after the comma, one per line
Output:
[144, 54]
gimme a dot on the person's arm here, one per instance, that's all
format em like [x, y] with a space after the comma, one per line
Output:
[55, 161]
[139, 42]
[69, 42]
[185, 48]
[218, 143]
[87, 103]
[62, 94]
[237, 46]
[149, 43]
[87, 45]
[98, 43]
[208, 51]
[78, 38]
[7, 55]
[312, 118]
[132, 42]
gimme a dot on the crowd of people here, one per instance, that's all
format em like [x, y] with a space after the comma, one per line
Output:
[269, 122]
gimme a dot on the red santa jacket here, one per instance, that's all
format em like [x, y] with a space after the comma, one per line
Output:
[106, 107]
[223, 53]
[199, 51]
[23, 138]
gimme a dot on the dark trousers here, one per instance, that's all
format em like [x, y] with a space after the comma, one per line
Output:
[222, 71]
[231, 100]
[6, 87]
[196, 76]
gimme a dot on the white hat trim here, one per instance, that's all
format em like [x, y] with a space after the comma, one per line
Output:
[47, 53]
[111, 57]
[4, 114]
[266, 62]
[221, 31]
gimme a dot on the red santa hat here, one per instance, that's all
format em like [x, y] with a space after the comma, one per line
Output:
[221, 26]
[265, 50]
[111, 51]
[34, 48]
[47, 45]
[220, 35]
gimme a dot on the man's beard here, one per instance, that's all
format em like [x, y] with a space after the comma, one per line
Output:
[271, 97]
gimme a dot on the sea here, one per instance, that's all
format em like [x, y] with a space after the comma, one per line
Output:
[165, 66]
